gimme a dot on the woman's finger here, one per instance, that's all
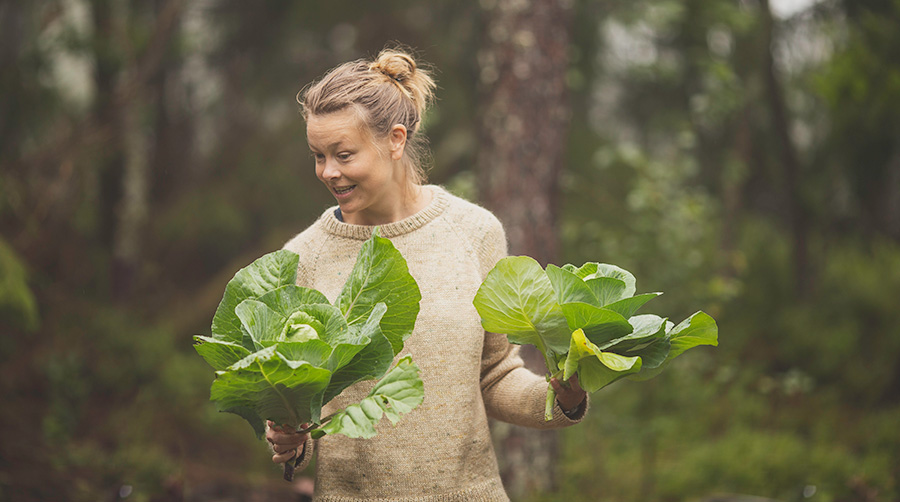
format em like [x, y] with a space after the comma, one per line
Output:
[294, 440]
[280, 458]
[575, 384]
[569, 395]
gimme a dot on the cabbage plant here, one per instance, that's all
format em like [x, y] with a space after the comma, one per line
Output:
[582, 319]
[281, 351]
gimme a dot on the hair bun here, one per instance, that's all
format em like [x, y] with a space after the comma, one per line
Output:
[398, 66]
[394, 64]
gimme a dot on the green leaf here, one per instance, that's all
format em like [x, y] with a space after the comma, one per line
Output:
[306, 307]
[614, 272]
[643, 326]
[653, 352]
[569, 287]
[291, 298]
[607, 289]
[698, 329]
[277, 389]
[354, 363]
[381, 275]
[219, 353]
[262, 324]
[583, 271]
[336, 331]
[596, 369]
[269, 272]
[599, 324]
[357, 337]
[608, 283]
[397, 393]
[314, 351]
[648, 341]
[628, 306]
[297, 336]
[517, 299]
[300, 327]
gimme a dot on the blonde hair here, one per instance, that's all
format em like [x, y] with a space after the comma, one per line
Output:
[389, 90]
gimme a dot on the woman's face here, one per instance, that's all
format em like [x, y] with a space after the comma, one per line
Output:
[365, 175]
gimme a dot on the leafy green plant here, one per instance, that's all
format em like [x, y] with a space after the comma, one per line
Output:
[582, 319]
[281, 352]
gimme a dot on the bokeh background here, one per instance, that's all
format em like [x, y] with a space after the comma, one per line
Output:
[742, 156]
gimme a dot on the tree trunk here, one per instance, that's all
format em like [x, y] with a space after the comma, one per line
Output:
[106, 70]
[892, 195]
[523, 69]
[524, 119]
[121, 79]
[132, 211]
[731, 187]
[789, 160]
[12, 36]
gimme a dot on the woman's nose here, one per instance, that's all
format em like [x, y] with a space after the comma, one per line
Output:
[330, 170]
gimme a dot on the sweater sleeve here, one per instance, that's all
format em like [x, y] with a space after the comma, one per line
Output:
[306, 455]
[511, 392]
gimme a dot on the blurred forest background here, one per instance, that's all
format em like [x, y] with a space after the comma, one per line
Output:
[742, 156]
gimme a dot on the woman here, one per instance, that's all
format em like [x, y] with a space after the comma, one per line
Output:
[363, 123]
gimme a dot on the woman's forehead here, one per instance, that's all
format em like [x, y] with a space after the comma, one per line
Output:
[333, 128]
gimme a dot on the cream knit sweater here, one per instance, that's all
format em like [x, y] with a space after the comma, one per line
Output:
[441, 451]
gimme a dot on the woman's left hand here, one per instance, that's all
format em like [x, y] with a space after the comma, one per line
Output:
[569, 394]
[285, 440]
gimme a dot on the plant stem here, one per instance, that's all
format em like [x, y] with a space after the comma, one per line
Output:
[550, 359]
[289, 467]
[551, 402]
[292, 464]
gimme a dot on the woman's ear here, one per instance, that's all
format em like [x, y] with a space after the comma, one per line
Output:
[398, 141]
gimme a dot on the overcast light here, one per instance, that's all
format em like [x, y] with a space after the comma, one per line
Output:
[787, 8]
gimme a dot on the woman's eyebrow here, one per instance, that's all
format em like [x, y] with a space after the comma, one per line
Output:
[333, 145]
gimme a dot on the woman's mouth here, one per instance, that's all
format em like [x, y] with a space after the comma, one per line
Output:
[343, 191]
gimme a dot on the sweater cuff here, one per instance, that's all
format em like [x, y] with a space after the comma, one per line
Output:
[578, 413]
[560, 419]
[305, 456]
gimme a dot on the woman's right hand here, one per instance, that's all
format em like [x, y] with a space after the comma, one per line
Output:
[285, 441]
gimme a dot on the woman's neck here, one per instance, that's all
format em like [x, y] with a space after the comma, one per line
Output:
[413, 200]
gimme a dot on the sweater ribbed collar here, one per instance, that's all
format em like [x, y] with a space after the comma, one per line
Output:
[439, 202]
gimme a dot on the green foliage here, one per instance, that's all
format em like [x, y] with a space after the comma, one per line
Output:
[281, 352]
[683, 192]
[766, 413]
[398, 392]
[582, 321]
[841, 334]
[160, 410]
[17, 302]
[727, 435]
[517, 299]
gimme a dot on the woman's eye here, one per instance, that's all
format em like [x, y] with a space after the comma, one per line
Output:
[344, 156]
[319, 157]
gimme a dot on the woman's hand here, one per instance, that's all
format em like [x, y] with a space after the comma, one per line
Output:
[285, 441]
[569, 394]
